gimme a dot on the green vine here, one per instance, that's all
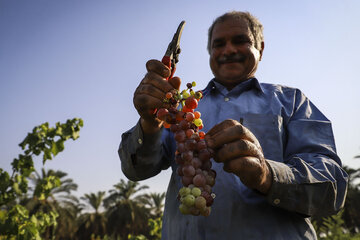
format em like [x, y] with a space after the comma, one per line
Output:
[15, 220]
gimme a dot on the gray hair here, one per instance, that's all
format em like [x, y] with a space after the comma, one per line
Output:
[254, 24]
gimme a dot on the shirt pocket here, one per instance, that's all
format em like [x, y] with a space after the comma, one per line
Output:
[268, 129]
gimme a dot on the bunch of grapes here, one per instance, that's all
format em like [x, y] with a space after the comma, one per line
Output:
[192, 154]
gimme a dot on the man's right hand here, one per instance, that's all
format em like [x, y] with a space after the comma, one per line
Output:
[150, 93]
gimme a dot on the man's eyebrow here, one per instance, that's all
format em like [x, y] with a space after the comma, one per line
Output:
[218, 39]
[241, 36]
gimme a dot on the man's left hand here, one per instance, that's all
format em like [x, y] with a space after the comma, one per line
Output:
[240, 151]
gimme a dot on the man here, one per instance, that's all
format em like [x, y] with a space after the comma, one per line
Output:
[275, 154]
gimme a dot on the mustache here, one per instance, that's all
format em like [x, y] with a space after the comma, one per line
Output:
[231, 58]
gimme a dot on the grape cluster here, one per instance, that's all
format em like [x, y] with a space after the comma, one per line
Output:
[192, 154]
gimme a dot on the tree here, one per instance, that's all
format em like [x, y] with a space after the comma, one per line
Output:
[155, 201]
[125, 211]
[93, 223]
[59, 200]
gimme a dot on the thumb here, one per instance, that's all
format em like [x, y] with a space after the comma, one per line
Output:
[175, 82]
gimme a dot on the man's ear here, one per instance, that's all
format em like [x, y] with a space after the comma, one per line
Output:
[262, 50]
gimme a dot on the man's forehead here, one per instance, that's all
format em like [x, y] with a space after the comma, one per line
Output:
[238, 26]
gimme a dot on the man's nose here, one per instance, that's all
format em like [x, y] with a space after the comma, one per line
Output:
[229, 49]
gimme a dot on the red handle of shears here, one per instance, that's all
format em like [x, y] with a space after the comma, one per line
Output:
[167, 62]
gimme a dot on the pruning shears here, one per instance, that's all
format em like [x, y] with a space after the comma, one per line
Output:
[171, 56]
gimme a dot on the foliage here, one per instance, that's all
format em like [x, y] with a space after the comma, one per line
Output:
[59, 200]
[125, 208]
[155, 226]
[346, 224]
[332, 228]
[137, 237]
[92, 223]
[154, 201]
[352, 204]
[15, 220]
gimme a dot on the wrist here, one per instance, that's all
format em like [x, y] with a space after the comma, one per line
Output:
[267, 180]
[150, 126]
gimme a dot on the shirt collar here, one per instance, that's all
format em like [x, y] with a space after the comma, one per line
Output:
[241, 87]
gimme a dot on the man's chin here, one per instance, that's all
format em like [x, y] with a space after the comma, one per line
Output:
[232, 77]
[230, 80]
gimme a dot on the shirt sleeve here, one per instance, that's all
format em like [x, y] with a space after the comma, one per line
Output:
[143, 156]
[310, 181]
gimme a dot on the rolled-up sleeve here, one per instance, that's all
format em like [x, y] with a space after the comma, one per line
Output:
[143, 156]
[310, 181]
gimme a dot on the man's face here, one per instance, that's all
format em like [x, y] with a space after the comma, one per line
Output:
[233, 56]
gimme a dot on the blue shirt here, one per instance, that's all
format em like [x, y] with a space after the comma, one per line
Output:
[298, 143]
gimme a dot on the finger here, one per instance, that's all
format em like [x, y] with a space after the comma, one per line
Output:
[158, 67]
[157, 81]
[150, 90]
[231, 134]
[175, 82]
[239, 148]
[221, 126]
[242, 164]
[249, 169]
[144, 103]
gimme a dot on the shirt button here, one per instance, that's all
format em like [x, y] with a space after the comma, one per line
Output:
[140, 141]
[276, 201]
[226, 99]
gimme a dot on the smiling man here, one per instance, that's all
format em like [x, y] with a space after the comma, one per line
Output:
[275, 154]
[234, 51]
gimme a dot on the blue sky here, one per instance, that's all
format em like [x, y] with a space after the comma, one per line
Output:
[65, 59]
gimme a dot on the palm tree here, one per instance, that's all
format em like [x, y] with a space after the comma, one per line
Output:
[92, 223]
[125, 211]
[155, 201]
[58, 199]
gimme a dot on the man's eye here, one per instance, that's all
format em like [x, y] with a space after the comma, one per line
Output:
[241, 41]
[217, 44]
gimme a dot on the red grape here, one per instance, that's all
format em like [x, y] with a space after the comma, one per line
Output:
[180, 136]
[162, 113]
[190, 144]
[188, 170]
[186, 181]
[199, 180]
[191, 103]
[196, 163]
[189, 116]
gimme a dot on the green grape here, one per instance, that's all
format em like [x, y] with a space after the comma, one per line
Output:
[184, 209]
[198, 122]
[196, 191]
[184, 191]
[185, 95]
[198, 95]
[189, 200]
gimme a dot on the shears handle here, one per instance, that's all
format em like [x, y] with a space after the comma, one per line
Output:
[166, 60]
